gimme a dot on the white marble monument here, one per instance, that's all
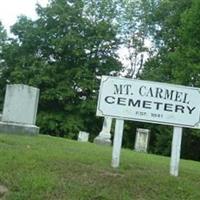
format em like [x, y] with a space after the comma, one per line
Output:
[104, 136]
[142, 140]
[20, 109]
[83, 136]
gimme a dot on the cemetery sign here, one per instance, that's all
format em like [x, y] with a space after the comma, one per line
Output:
[149, 101]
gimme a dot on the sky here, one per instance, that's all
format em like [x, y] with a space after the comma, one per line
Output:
[10, 9]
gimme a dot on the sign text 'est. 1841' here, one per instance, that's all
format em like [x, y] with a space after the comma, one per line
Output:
[148, 101]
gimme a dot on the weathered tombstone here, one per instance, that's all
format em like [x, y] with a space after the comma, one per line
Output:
[20, 109]
[83, 136]
[142, 140]
[104, 136]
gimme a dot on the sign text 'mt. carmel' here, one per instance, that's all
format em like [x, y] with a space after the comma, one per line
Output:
[160, 94]
[149, 101]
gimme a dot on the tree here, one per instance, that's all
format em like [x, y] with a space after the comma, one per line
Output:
[174, 26]
[3, 39]
[133, 35]
[3, 35]
[63, 53]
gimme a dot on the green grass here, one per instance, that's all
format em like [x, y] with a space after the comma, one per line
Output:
[45, 167]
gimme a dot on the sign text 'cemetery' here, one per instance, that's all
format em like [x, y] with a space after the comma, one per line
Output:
[149, 102]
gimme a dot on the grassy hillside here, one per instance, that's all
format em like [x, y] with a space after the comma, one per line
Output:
[45, 167]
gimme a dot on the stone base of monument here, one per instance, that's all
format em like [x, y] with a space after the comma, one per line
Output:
[16, 128]
[102, 141]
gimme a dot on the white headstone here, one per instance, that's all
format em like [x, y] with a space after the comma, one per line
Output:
[20, 109]
[20, 104]
[83, 136]
[104, 136]
[142, 140]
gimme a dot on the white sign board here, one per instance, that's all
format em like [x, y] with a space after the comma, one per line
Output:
[148, 101]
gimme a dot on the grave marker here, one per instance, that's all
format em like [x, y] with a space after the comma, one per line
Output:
[83, 136]
[20, 109]
[104, 136]
[142, 139]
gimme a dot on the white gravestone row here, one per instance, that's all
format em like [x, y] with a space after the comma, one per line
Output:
[141, 140]
[20, 109]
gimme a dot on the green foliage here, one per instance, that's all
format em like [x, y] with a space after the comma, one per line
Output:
[63, 53]
[3, 35]
[174, 27]
[3, 39]
[72, 43]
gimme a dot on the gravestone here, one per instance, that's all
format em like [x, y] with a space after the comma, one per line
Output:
[104, 136]
[142, 140]
[83, 136]
[20, 109]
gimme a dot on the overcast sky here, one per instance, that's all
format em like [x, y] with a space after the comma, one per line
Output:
[10, 9]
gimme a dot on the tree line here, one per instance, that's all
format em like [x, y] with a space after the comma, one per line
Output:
[72, 43]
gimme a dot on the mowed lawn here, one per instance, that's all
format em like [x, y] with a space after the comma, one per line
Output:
[45, 167]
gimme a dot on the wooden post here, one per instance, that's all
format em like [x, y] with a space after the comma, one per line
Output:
[175, 151]
[119, 126]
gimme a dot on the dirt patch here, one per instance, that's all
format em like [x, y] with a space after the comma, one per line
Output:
[111, 174]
